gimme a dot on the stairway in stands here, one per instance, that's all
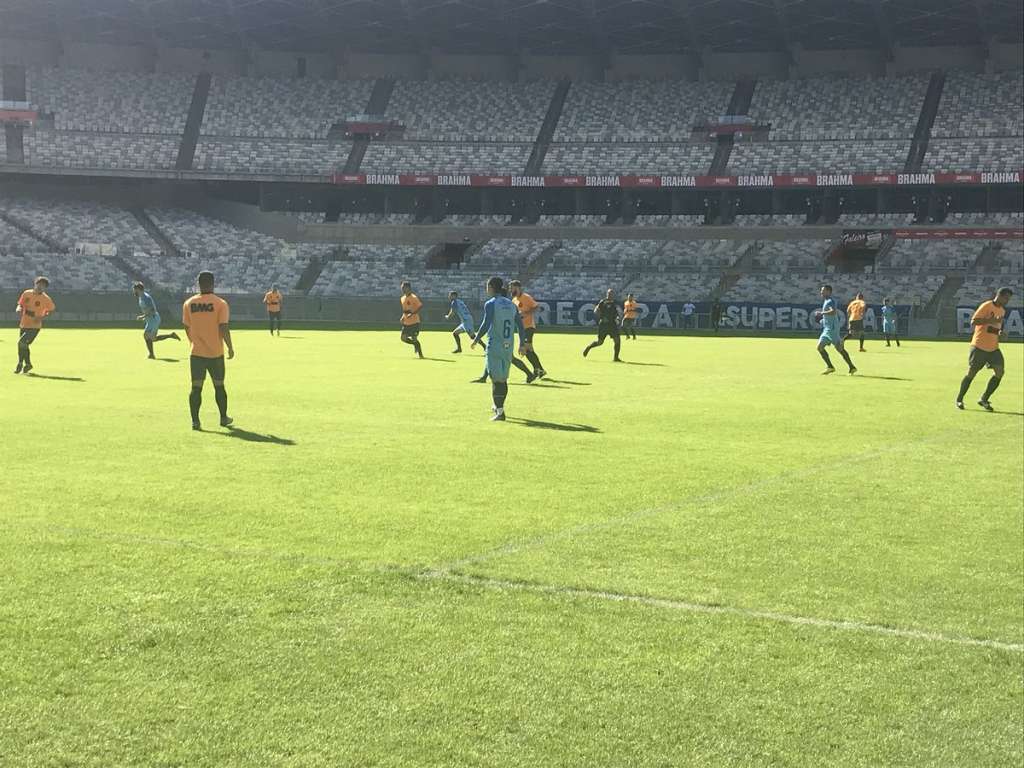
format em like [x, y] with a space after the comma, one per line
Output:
[547, 129]
[14, 89]
[925, 121]
[196, 112]
[154, 231]
[541, 263]
[739, 104]
[27, 229]
[380, 97]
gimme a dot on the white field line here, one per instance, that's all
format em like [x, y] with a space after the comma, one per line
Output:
[539, 542]
[743, 613]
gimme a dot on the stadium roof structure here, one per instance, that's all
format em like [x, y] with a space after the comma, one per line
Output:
[511, 26]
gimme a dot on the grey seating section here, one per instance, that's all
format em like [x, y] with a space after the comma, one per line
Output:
[66, 272]
[639, 110]
[979, 288]
[997, 219]
[467, 110]
[975, 104]
[61, 149]
[776, 256]
[277, 156]
[79, 222]
[840, 108]
[802, 288]
[672, 286]
[819, 157]
[559, 220]
[976, 154]
[234, 274]
[643, 158]
[13, 240]
[912, 256]
[767, 220]
[682, 220]
[111, 101]
[504, 256]
[295, 108]
[191, 231]
[876, 220]
[432, 157]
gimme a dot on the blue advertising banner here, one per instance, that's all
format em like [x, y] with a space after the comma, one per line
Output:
[1013, 323]
[735, 315]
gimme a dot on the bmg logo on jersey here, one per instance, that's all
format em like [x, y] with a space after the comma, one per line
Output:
[197, 307]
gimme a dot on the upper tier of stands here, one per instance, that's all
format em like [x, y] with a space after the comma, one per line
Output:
[980, 105]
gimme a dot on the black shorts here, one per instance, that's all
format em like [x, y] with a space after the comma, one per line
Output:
[274, 315]
[200, 365]
[856, 326]
[27, 335]
[979, 358]
[410, 331]
[628, 322]
[528, 335]
[607, 329]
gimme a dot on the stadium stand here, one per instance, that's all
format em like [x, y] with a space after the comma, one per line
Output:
[925, 255]
[70, 223]
[777, 256]
[645, 220]
[70, 273]
[876, 220]
[433, 157]
[235, 274]
[766, 220]
[64, 149]
[972, 154]
[974, 104]
[280, 156]
[860, 156]
[1001, 219]
[281, 108]
[14, 241]
[111, 101]
[190, 231]
[593, 159]
[979, 288]
[802, 288]
[506, 254]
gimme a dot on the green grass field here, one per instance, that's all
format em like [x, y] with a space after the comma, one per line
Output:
[711, 556]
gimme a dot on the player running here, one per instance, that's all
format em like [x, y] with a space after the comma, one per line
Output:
[528, 308]
[205, 317]
[458, 308]
[630, 314]
[890, 323]
[151, 330]
[33, 306]
[274, 302]
[606, 313]
[501, 319]
[411, 306]
[855, 311]
[988, 327]
[829, 317]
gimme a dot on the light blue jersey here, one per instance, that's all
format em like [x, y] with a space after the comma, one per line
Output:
[829, 323]
[147, 306]
[889, 318]
[501, 321]
[459, 308]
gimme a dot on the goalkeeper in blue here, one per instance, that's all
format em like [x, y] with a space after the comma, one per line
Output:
[501, 320]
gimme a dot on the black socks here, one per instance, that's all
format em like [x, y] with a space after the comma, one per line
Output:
[195, 399]
[993, 385]
[534, 361]
[825, 357]
[499, 391]
[521, 366]
[149, 346]
[221, 396]
[458, 342]
[846, 357]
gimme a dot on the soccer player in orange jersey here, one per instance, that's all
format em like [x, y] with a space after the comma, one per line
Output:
[855, 311]
[528, 309]
[33, 305]
[411, 306]
[630, 314]
[205, 317]
[988, 327]
[274, 300]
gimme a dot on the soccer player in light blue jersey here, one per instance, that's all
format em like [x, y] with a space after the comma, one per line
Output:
[890, 328]
[501, 321]
[830, 334]
[459, 309]
[151, 317]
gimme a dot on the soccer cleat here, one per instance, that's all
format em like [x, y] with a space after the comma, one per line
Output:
[853, 371]
[197, 427]
[828, 370]
[960, 404]
[456, 351]
[28, 367]
[18, 369]
[618, 360]
[541, 373]
[481, 380]
[151, 357]
[226, 421]
[986, 405]
[530, 378]
[586, 351]
[175, 336]
[499, 416]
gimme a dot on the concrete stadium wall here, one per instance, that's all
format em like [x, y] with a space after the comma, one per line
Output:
[861, 61]
[31, 53]
[1006, 56]
[652, 67]
[286, 64]
[443, 65]
[736, 66]
[538, 66]
[196, 60]
[359, 65]
[916, 60]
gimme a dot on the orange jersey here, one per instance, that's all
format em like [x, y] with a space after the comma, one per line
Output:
[630, 310]
[202, 316]
[273, 301]
[983, 339]
[34, 307]
[412, 305]
[527, 308]
[855, 309]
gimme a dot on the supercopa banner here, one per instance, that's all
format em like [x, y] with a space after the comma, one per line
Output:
[1013, 323]
[734, 315]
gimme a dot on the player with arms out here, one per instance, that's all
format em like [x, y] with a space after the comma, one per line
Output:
[606, 313]
[988, 327]
[630, 314]
[33, 306]
[855, 312]
[151, 317]
[411, 306]
[274, 301]
[528, 308]
[501, 320]
[829, 318]
[205, 317]
[890, 323]
[457, 308]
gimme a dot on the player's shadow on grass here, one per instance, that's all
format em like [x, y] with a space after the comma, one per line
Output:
[555, 426]
[566, 381]
[255, 437]
[653, 365]
[53, 378]
[437, 359]
[882, 378]
[168, 360]
[998, 413]
[537, 385]
[286, 336]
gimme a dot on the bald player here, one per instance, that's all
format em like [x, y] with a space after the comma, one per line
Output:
[205, 317]
[988, 327]
[33, 306]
